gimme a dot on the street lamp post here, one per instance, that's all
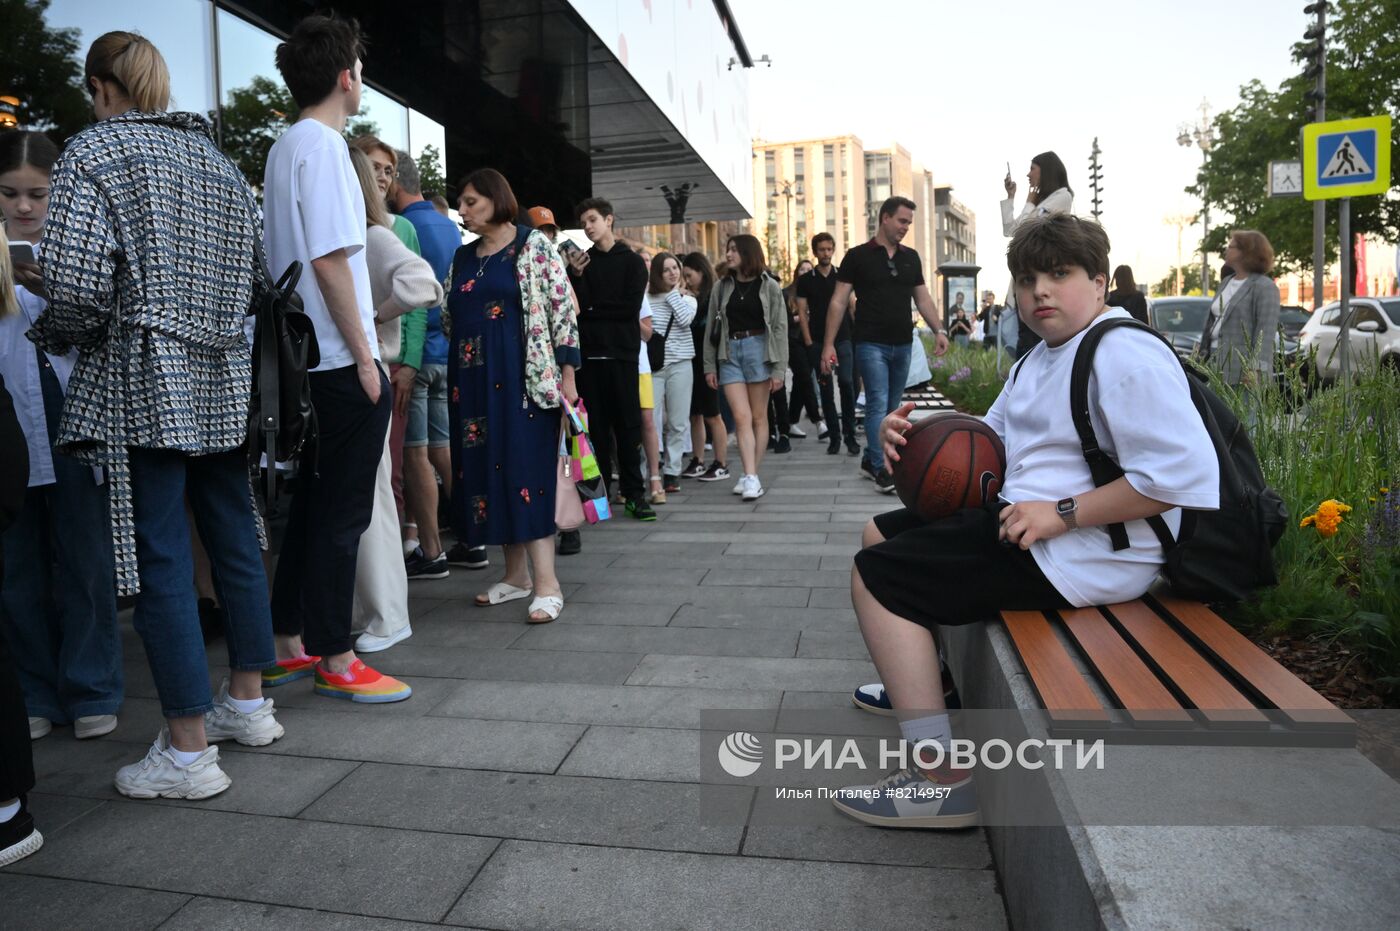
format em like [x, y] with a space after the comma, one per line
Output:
[1203, 137]
[788, 190]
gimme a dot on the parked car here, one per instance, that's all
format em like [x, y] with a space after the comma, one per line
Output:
[1181, 320]
[1374, 327]
[1291, 318]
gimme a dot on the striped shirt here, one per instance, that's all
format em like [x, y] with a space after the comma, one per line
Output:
[680, 308]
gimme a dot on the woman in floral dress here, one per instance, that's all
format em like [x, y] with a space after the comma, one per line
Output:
[514, 349]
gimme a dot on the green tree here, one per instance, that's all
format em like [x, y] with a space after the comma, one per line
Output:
[430, 172]
[255, 116]
[41, 68]
[1363, 79]
[1190, 281]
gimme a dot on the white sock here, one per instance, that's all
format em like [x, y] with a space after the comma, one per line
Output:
[245, 705]
[9, 811]
[184, 758]
[935, 728]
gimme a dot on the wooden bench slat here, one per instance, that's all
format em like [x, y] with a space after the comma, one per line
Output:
[1063, 691]
[1285, 691]
[1122, 671]
[1217, 700]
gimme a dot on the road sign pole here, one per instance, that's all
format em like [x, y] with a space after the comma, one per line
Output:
[1344, 338]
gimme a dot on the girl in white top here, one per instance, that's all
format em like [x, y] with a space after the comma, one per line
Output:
[62, 628]
[1049, 193]
[672, 310]
[399, 281]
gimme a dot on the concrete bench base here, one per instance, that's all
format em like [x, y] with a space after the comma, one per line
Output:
[1083, 876]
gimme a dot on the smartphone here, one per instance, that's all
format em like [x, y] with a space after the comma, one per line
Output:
[568, 248]
[22, 253]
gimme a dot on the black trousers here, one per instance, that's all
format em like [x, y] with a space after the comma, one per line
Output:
[16, 756]
[804, 395]
[843, 385]
[314, 590]
[608, 388]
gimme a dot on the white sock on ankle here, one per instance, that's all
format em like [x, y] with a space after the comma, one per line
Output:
[934, 728]
[7, 812]
[245, 705]
[184, 758]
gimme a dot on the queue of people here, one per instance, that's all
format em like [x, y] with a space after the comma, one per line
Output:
[443, 371]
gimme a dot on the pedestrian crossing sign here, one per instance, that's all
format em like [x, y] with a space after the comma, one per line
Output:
[1346, 158]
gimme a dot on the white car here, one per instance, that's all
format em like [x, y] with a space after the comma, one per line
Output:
[1374, 326]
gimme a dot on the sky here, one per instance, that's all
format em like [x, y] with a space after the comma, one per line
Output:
[968, 86]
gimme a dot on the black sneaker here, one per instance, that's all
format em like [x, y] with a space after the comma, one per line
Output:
[18, 837]
[420, 567]
[671, 483]
[868, 471]
[717, 472]
[784, 445]
[852, 448]
[695, 469]
[884, 482]
[470, 557]
[639, 509]
[772, 443]
[570, 542]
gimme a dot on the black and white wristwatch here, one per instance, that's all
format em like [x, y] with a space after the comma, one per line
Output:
[1068, 509]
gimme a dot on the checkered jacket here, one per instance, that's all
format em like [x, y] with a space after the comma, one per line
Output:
[148, 258]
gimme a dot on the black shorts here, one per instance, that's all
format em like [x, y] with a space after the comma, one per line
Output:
[952, 571]
[704, 400]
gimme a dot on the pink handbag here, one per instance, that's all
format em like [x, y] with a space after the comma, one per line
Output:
[568, 509]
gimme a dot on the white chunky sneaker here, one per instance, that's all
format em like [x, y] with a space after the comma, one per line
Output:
[157, 776]
[254, 729]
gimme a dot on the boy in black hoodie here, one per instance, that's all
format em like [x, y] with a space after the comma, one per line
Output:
[611, 281]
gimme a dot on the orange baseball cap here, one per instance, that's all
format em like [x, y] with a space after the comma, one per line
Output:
[541, 216]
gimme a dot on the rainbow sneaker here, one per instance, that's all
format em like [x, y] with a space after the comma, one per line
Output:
[360, 683]
[290, 670]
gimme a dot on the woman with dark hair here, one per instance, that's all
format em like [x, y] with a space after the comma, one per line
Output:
[61, 626]
[1125, 294]
[699, 278]
[1049, 193]
[750, 353]
[514, 349]
[1243, 322]
[672, 311]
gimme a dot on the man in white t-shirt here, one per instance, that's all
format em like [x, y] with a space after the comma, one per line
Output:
[314, 213]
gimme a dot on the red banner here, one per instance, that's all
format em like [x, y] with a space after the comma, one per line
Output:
[1359, 254]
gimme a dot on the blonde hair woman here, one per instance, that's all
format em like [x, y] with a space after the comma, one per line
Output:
[149, 264]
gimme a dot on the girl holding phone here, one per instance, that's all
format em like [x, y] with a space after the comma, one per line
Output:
[58, 605]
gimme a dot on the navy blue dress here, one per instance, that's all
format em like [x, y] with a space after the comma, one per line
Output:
[504, 447]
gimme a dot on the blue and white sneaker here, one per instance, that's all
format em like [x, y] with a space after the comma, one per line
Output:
[907, 798]
[876, 700]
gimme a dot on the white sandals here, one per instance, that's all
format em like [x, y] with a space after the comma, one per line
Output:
[548, 605]
[500, 593]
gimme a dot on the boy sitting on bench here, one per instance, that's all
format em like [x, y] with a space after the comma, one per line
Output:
[1045, 543]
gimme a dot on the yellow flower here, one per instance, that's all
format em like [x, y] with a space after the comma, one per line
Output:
[1328, 518]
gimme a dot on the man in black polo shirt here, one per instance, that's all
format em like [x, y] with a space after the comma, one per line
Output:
[887, 278]
[610, 281]
[814, 291]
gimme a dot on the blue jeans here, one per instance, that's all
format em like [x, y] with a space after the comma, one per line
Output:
[167, 614]
[58, 607]
[883, 368]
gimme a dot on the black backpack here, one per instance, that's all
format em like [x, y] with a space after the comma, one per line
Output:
[1220, 555]
[281, 418]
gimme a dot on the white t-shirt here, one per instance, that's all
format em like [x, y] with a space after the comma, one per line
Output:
[1227, 294]
[643, 363]
[1141, 410]
[313, 206]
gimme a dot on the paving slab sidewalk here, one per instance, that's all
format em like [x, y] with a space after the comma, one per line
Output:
[540, 777]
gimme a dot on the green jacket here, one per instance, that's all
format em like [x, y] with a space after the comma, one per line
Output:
[415, 322]
[775, 341]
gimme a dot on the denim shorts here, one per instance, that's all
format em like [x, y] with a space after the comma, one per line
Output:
[427, 410]
[746, 363]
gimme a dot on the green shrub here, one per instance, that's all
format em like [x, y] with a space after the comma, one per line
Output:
[967, 377]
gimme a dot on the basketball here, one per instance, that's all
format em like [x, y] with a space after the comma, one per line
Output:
[950, 461]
